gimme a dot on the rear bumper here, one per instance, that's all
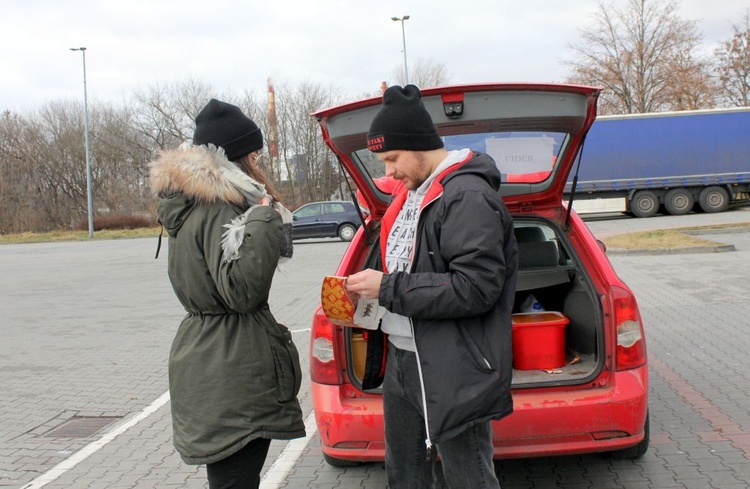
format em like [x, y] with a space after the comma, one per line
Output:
[544, 422]
[349, 427]
[596, 419]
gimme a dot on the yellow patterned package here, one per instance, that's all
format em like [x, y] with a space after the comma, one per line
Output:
[337, 305]
[340, 309]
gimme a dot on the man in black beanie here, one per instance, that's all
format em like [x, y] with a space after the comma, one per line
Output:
[402, 123]
[448, 283]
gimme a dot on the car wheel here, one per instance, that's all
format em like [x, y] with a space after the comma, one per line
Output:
[714, 199]
[636, 451]
[339, 462]
[679, 201]
[346, 232]
[644, 203]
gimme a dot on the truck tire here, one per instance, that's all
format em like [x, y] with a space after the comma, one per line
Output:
[679, 201]
[714, 199]
[644, 204]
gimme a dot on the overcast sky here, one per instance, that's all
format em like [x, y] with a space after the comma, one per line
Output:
[234, 45]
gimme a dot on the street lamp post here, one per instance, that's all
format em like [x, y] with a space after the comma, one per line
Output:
[86, 139]
[403, 38]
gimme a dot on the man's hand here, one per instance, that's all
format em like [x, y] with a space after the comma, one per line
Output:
[365, 283]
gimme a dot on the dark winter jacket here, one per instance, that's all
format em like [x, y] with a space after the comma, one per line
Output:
[234, 372]
[459, 295]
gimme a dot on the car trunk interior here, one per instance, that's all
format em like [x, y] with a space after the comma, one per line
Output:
[549, 272]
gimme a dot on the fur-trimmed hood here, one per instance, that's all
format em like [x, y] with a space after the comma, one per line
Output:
[189, 176]
[195, 172]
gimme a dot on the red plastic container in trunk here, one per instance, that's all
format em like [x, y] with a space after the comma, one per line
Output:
[539, 340]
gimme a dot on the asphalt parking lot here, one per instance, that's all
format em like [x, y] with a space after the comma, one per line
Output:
[86, 329]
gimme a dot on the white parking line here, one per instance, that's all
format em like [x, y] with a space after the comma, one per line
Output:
[276, 473]
[95, 446]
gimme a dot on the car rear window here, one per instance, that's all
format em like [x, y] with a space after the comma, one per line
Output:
[333, 208]
[521, 156]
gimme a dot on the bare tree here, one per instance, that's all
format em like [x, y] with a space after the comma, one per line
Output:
[733, 65]
[692, 86]
[423, 73]
[42, 155]
[122, 153]
[45, 153]
[18, 211]
[60, 160]
[165, 114]
[310, 167]
[644, 57]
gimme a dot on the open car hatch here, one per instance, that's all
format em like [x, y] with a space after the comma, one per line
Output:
[532, 131]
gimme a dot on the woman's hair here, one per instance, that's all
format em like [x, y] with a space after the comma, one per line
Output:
[258, 175]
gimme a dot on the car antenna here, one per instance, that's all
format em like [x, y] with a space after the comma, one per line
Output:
[368, 236]
[573, 186]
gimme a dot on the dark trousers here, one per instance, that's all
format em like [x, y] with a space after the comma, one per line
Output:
[466, 458]
[240, 470]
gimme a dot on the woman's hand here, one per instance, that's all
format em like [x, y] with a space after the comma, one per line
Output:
[265, 200]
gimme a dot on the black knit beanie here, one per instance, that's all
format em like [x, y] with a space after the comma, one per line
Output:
[402, 123]
[225, 126]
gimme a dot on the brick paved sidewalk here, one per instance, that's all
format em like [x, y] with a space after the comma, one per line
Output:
[694, 307]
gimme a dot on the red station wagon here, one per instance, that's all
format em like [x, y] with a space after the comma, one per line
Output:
[580, 380]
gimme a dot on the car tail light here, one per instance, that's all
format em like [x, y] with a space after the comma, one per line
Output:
[324, 367]
[631, 343]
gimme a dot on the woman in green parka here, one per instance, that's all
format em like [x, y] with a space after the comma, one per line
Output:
[234, 372]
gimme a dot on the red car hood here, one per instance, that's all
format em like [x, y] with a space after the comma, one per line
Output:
[533, 131]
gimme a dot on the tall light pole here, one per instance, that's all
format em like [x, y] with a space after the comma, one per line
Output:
[403, 37]
[86, 138]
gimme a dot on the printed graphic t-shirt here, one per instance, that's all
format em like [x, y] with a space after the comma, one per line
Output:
[399, 248]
